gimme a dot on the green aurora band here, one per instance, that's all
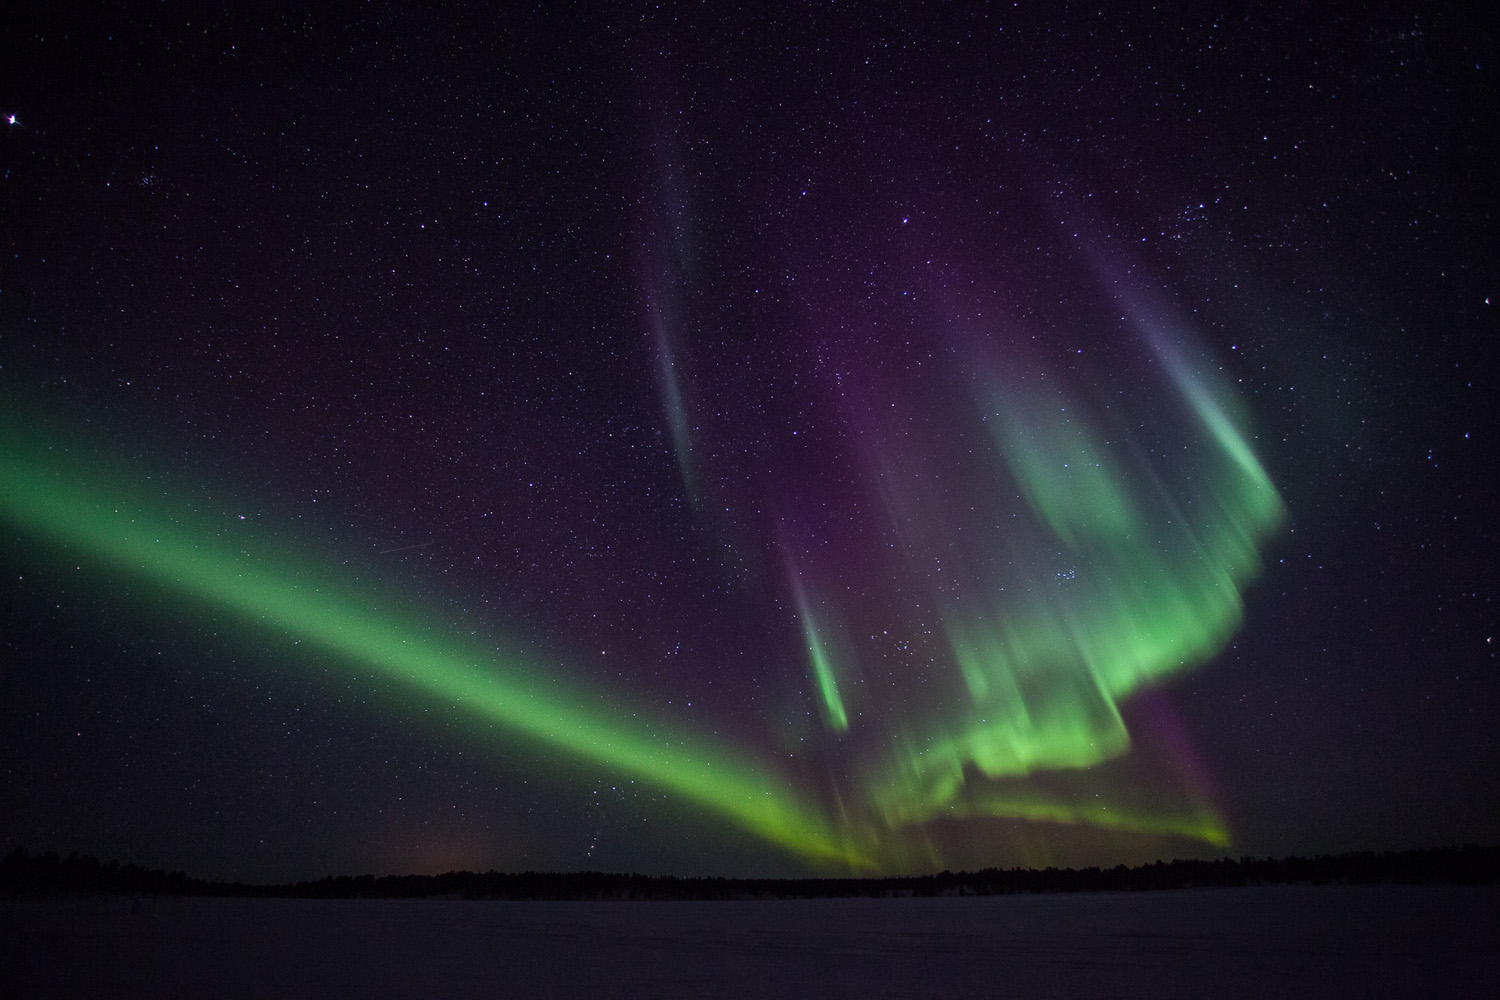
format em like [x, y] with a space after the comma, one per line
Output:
[149, 542]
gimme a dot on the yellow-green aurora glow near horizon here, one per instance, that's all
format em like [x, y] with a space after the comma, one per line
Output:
[1120, 579]
[1152, 586]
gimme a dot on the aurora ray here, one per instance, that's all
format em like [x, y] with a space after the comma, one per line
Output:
[674, 407]
[820, 656]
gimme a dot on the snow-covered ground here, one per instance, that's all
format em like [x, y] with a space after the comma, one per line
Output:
[1276, 942]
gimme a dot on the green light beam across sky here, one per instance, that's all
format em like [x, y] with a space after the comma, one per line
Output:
[834, 713]
[142, 538]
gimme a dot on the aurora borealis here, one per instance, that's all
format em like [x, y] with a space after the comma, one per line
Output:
[597, 459]
[1043, 673]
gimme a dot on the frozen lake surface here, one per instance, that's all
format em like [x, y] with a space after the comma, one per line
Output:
[1279, 942]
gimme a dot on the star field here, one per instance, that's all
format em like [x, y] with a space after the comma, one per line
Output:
[744, 443]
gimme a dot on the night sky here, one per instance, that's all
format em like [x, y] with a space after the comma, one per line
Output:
[745, 443]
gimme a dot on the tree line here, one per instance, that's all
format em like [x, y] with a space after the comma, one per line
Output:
[21, 872]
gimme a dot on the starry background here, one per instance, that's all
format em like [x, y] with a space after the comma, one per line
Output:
[629, 338]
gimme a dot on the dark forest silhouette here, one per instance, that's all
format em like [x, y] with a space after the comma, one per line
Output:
[48, 873]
